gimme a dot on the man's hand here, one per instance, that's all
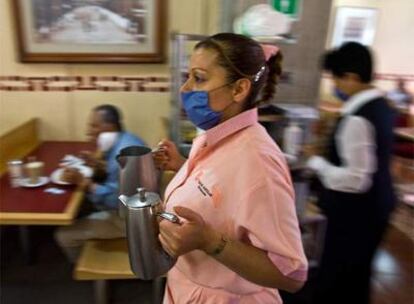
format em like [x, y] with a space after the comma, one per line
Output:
[72, 176]
[90, 159]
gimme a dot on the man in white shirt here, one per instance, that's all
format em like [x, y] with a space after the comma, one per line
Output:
[357, 195]
[400, 96]
[102, 196]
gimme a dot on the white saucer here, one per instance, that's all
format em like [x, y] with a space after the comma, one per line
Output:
[71, 160]
[56, 175]
[25, 182]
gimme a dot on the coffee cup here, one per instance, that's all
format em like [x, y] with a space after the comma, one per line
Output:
[34, 170]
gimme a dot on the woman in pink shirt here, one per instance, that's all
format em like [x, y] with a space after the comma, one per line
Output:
[238, 240]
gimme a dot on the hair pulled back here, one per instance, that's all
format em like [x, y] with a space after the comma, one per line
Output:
[242, 57]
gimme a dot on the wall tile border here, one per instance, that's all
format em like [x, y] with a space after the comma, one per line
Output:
[85, 83]
[116, 83]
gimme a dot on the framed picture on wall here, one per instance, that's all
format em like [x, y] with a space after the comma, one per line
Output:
[91, 31]
[354, 24]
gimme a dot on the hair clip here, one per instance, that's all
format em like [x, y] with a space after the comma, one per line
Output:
[259, 74]
[269, 50]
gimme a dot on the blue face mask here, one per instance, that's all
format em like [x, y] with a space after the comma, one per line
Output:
[196, 106]
[340, 94]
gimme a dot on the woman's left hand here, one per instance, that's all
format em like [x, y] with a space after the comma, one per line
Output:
[192, 233]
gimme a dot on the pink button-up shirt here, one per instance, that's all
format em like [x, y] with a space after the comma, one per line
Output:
[237, 179]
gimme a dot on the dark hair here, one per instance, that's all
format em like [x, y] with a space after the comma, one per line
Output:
[351, 57]
[111, 115]
[243, 57]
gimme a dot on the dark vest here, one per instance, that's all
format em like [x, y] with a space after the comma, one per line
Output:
[378, 201]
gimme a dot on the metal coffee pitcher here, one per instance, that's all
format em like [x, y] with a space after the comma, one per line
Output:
[137, 169]
[147, 257]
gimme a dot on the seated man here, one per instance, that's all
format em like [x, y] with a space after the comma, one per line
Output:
[105, 128]
[400, 96]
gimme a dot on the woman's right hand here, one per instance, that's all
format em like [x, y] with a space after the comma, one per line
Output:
[167, 157]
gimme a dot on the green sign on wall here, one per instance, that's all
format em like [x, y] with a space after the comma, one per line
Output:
[288, 7]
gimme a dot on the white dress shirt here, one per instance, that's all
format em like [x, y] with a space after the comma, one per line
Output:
[355, 142]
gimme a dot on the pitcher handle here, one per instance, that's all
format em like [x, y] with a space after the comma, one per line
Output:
[169, 217]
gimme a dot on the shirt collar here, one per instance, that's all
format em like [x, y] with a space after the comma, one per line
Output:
[359, 99]
[231, 126]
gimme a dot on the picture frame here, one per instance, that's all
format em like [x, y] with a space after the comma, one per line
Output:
[98, 31]
[354, 24]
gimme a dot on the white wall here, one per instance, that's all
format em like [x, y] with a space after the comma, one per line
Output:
[393, 45]
[63, 115]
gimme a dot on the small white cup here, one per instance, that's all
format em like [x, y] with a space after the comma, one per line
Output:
[34, 170]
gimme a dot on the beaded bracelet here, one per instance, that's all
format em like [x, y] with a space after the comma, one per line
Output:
[220, 247]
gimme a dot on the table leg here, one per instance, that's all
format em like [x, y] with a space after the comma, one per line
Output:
[26, 245]
[101, 291]
[158, 285]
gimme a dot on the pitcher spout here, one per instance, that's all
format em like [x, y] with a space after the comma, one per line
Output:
[123, 198]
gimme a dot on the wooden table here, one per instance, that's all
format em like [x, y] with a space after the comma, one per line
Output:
[406, 133]
[33, 206]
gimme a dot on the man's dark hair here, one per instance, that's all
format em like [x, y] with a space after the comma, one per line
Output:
[111, 115]
[351, 57]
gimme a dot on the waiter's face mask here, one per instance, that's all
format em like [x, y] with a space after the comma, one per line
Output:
[341, 83]
[341, 95]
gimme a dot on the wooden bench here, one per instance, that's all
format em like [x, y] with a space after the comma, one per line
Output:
[103, 260]
[18, 142]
